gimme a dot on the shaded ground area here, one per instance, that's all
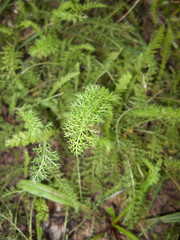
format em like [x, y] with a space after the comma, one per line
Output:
[166, 202]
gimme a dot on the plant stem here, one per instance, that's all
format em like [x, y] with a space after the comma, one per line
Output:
[125, 15]
[1, 215]
[30, 221]
[65, 223]
[79, 177]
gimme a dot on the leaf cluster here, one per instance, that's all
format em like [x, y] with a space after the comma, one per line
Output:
[89, 109]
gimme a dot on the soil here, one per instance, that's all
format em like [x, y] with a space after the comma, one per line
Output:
[167, 201]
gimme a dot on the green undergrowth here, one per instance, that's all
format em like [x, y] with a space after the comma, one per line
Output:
[90, 112]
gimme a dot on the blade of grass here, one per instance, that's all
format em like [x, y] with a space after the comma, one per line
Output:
[4, 5]
[42, 190]
[125, 15]
[169, 218]
[99, 236]
[120, 215]
[28, 40]
[125, 232]
[50, 193]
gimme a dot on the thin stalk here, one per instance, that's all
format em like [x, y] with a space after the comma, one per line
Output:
[175, 182]
[30, 220]
[39, 64]
[92, 227]
[65, 223]
[120, 216]
[125, 15]
[1, 215]
[143, 231]
[80, 224]
[33, 32]
[90, 211]
[79, 177]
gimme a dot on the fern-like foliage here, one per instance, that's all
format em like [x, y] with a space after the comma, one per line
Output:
[62, 81]
[155, 43]
[123, 82]
[166, 52]
[45, 46]
[27, 23]
[90, 108]
[103, 164]
[10, 60]
[146, 60]
[42, 215]
[64, 13]
[44, 161]
[73, 12]
[35, 131]
[154, 8]
[86, 7]
[5, 30]
[73, 47]
[152, 112]
[139, 193]
[42, 209]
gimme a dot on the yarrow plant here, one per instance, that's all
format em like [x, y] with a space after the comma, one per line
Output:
[90, 109]
[90, 115]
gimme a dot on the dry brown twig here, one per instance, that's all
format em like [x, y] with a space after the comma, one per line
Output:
[125, 15]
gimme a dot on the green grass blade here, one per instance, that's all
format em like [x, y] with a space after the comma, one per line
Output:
[125, 232]
[120, 215]
[4, 5]
[169, 218]
[111, 212]
[28, 40]
[44, 191]
[99, 236]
